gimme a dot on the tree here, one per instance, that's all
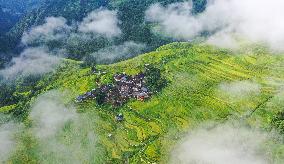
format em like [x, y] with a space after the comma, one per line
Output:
[89, 61]
[154, 80]
[100, 98]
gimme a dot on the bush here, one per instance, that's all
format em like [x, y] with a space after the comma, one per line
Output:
[278, 122]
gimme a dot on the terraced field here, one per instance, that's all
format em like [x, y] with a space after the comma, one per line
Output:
[205, 84]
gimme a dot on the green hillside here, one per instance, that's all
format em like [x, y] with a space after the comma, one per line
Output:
[197, 92]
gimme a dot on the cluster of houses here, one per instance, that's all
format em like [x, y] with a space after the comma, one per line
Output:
[124, 88]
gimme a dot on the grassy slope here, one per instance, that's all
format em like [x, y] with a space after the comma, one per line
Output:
[151, 128]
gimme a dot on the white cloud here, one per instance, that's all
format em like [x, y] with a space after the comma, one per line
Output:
[99, 22]
[240, 89]
[75, 143]
[103, 21]
[7, 141]
[54, 28]
[175, 20]
[123, 51]
[256, 20]
[63, 135]
[50, 114]
[32, 61]
[223, 144]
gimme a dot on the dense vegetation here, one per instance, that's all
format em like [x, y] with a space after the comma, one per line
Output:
[192, 84]
[192, 96]
[13, 10]
[133, 25]
[130, 12]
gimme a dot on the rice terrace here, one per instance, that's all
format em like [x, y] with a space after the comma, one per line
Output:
[134, 82]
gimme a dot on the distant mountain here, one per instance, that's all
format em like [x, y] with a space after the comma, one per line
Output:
[130, 12]
[12, 11]
[4, 20]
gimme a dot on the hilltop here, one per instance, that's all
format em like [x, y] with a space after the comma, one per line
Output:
[204, 84]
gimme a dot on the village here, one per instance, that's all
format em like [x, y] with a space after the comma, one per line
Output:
[124, 88]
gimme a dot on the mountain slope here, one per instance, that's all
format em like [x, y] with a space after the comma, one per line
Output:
[204, 84]
[12, 11]
[130, 12]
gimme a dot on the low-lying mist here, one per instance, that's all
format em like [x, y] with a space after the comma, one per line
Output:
[32, 61]
[223, 21]
[118, 52]
[222, 144]
[94, 36]
[63, 135]
[8, 142]
[56, 133]
[239, 90]
[49, 114]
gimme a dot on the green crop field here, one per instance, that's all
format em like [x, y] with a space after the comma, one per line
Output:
[203, 86]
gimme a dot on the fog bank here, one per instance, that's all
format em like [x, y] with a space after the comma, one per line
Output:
[229, 143]
[224, 21]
